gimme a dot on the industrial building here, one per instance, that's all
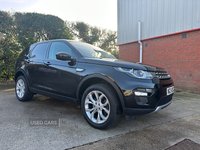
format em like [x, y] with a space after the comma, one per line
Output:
[163, 33]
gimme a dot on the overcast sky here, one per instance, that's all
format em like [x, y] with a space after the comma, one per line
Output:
[100, 13]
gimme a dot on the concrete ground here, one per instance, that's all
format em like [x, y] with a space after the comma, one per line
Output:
[46, 123]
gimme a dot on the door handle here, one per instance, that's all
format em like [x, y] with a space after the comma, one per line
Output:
[47, 63]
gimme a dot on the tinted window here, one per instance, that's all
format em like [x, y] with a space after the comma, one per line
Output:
[91, 51]
[39, 51]
[58, 47]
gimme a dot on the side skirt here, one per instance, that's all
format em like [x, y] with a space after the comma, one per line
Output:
[60, 97]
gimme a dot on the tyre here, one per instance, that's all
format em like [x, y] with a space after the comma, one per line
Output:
[100, 106]
[21, 89]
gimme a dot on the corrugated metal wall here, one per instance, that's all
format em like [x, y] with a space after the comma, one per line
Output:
[158, 17]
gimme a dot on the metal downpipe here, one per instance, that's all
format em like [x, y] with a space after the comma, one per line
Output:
[139, 40]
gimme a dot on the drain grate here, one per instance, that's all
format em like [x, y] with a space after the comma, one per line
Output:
[185, 145]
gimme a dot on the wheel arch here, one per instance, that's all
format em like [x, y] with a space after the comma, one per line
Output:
[19, 73]
[95, 79]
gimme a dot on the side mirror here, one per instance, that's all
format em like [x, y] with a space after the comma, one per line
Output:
[63, 56]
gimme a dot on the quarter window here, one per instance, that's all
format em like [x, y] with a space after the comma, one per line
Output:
[39, 51]
[57, 47]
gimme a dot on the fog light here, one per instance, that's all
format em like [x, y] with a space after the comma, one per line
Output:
[140, 93]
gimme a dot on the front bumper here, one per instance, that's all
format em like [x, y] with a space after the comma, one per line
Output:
[163, 102]
[156, 100]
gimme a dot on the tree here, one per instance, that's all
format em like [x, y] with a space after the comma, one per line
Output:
[105, 39]
[84, 31]
[9, 48]
[108, 42]
[34, 27]
[22, 29]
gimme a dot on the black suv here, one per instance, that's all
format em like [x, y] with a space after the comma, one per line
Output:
[87, 75]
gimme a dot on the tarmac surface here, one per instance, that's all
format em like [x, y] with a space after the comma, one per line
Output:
[47, 123]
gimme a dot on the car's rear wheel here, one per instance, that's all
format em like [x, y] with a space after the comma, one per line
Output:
[21, 89]
[100, 106]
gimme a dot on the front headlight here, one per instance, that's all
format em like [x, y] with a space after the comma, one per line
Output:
[135, 73]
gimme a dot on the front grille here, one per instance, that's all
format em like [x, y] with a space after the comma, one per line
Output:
[166, 85]
[161, 75]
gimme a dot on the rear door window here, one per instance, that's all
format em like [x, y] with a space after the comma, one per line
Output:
[39, 51]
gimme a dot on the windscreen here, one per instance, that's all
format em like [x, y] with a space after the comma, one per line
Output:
[91, 51]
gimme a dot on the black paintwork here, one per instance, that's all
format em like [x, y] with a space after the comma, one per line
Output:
[60, 79]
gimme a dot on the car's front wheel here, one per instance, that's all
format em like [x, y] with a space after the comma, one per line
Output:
[100, 106]
[21, 89]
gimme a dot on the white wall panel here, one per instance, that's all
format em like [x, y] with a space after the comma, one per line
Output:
[158, 17]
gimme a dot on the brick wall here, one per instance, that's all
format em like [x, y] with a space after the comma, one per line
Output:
[179, 54]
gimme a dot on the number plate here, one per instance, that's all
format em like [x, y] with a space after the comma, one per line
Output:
[170, 90]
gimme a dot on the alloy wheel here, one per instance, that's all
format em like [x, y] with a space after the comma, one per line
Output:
[20, 88]
[97, 107]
